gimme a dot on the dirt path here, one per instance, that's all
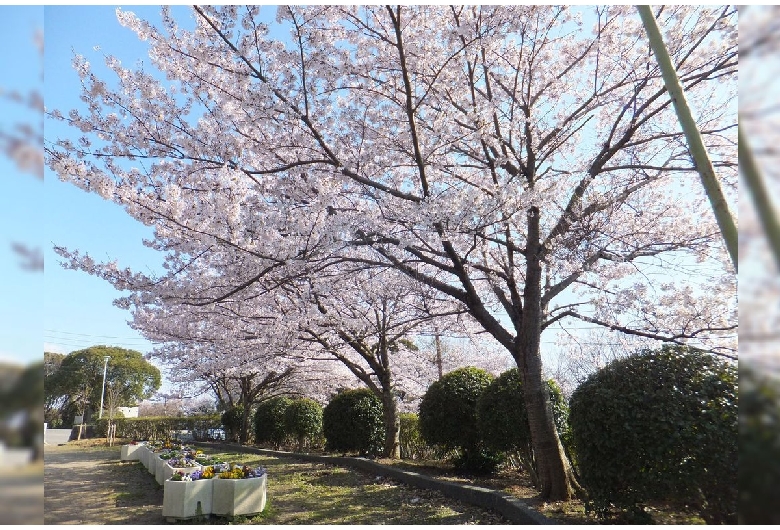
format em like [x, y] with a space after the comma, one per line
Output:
[21, 495]
[87, 485]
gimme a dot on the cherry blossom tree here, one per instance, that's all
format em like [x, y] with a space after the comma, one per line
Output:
[523, 161]
[240, 362]
[369, 320]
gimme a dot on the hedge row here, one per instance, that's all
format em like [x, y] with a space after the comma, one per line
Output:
[483, 418]
[160, 428]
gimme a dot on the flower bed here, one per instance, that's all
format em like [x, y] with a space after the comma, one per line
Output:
[195, 484]
[186, 496]
[131, 452]
[180, 465]
[239, 491]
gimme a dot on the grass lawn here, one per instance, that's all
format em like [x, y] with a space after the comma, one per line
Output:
[313, 493]
[305, 493]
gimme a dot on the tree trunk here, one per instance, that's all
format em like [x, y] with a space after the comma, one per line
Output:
[439, 362]
[556, 479]
[392, 422]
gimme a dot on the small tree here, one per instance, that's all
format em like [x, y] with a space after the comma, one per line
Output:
[353, 421]
[303, 421]
[448, 417]
[659, 426]
[269, 421]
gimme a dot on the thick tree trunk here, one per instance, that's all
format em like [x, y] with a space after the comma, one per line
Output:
[392, 423]
[556, 478]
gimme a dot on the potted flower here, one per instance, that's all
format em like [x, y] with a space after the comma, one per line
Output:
[188, 495]
[239, 490]
[180, 464]
[131, 451]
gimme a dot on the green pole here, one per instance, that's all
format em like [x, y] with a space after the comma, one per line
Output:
[760, 196]
[695, 142]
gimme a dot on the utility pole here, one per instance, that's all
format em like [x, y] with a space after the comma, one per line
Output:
[103, 390]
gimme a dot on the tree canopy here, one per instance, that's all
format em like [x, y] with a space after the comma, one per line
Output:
[78, 380]
[522, 161]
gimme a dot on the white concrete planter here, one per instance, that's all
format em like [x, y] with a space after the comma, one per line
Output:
[185, 500]
[131, 452]
[155, 465]
[144, 453]
[168, 471]
[151, 461]
[239, 496]
[159, 468]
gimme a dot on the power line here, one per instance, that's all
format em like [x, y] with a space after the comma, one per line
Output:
[92, 336]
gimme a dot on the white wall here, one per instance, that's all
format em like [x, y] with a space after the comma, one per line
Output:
[128, 412]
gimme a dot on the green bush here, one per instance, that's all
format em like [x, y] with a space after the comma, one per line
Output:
[448, 417]
[503, 421]
[270, 421]
[231, 419]
[413, 446]
[353, 421]
[501, 416]
[303, 421]
[159, 428]
[659, 426]
[759, 446]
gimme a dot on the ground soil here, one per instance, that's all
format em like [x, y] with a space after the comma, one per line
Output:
[84, 485]
[21, 495]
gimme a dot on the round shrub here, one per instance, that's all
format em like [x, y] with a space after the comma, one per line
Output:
[353, 421]
[270, 421]
[412, 444]
[503, 421]
[303, 421]
[659, 426]
[759, 446]
[231, 419]
[448, 417]
[501, 416]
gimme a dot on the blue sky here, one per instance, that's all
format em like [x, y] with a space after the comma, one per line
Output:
[21, 292]
[78, 310]
[66, 310]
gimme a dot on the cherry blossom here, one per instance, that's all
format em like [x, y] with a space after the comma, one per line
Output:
[523, 163]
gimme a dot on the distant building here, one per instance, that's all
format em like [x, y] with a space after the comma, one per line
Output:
[128, 412]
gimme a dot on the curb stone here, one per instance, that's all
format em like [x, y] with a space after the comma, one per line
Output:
[512, 508]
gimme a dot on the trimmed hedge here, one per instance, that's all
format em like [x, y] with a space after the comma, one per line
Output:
[659, 426]
[231, 419]
[503, 421]
[448, 417]
[353, 421]
[269, 421]
[303, 422]
[759, 445]
[501, 416]
[159, 428]
[413, 446]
